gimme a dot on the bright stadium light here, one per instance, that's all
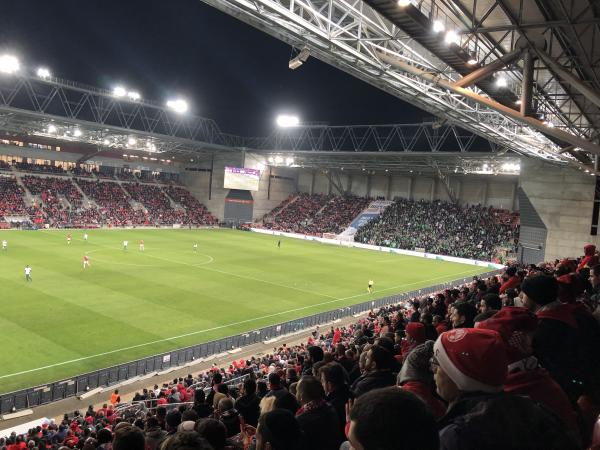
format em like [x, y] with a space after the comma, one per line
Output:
[9, 64]
[106, 142]
[289, 161]
[51, 129]
[178, 105]
[278, 159]
[452, 37]
[43, 73]
[285, 121]
[501, 81]
[77, 132]
[438, 26]
[119, 91]
[131, 141]
[403, 3]
[133, 95]
[271, 160]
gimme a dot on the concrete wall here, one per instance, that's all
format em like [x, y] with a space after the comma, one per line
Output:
[563, 198]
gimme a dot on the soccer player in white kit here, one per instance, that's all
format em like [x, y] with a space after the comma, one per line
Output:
[141, 245]
[195, 246]
[85, 237]
[125, 244]
[86, 261]
[4, 245]
[27, 273]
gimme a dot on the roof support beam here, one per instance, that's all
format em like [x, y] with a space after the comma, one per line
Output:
[527, 85]
[487, 70]
[492, 104]
[568, 77]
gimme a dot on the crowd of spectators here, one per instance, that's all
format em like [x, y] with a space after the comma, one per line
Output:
[40, 168]
[196, 212]
[315, 214]
[443, 228]
[506, 362]
[11, 197]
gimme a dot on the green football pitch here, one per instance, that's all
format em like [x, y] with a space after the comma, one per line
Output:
[131, 304]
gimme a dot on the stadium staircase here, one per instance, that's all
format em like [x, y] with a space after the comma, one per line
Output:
[28, 197]
[270, 216]
[373, 210]
[86, 200]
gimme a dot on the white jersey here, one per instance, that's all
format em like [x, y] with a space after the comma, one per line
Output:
[85, 236]
[27, 270]
[4, 244]
[125, 243]
[371, 283]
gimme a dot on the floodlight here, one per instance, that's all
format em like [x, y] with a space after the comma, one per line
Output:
[107, 142]
[51, 129]
[299, 59]
[472, 61]
[452, 37]
[77, 132]
[403, 3]
[501, 82]
[438, 26]
[44, 73]
[284, 121]
[518, 102]
[134, 95]
[278, 159]
[119, 91]
[131, 141]
[271, 160]
[289, 161]
[549, 124]
[178, 105]
[9, 64]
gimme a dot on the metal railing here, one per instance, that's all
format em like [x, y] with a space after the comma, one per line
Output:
[111, 376]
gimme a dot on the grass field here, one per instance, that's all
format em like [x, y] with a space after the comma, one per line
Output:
[132, 304]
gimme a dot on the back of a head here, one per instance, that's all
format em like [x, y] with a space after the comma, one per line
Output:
[310, 389]
[392, 419]
[333, 373]
[225, 404]
[249, 386]
[214, 431]
[280, 429]
[287, 401]
[274, 379]
[316, 353]
[188, 440]
[129, 437]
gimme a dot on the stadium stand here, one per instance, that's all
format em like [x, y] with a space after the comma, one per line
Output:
[57, 201]
[441, 371]
[442, 228]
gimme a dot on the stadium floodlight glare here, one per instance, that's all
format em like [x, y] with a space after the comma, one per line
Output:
[43, 73]
[271, 160]
[403, 3]
[77, 132]
[133, 95]
[452, 37]
[501, 81]
[119, 91]
[178, 105]
[51, 129]
[278, 159]
[107, 142]
[285, 121]
[131, 141]
[472, 61]
[438, 26]
[289, 161]
[9, 64]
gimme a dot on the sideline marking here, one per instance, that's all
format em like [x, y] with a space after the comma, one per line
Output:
[131, 347]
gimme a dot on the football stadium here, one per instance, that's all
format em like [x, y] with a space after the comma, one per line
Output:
[298, 225]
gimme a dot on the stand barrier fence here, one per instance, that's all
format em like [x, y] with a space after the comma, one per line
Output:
[77, 385]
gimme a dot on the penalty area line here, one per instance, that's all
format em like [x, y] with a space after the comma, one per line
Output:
[207, 330]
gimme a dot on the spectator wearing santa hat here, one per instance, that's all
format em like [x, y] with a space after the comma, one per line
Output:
[470, 371]
[525, 376]
[510, 280]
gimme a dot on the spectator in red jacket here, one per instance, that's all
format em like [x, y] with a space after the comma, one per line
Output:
[589, 259]
[510, 280]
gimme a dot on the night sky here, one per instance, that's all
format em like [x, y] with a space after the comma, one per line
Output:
[228, 71]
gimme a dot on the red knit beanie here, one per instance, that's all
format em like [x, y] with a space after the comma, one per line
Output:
[474, 359]
[416, 330]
